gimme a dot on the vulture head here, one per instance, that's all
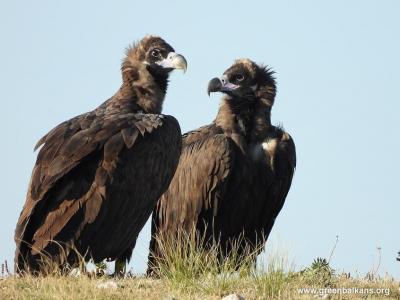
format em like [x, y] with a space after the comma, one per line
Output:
[246, 82]
[155, 55]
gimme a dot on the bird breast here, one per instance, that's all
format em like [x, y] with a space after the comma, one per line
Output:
[265, 151]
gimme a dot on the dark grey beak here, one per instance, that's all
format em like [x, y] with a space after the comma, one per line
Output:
[215, 85]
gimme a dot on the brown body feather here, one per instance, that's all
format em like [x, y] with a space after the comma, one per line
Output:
[98, 176]
[232, 179]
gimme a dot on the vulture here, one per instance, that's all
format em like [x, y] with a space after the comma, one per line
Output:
[233, 175]
[98, 176]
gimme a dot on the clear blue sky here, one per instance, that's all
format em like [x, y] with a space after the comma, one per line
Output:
[337, 65]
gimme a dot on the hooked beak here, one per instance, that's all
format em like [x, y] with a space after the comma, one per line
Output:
[220, 85]
[215, 85]
[174, 61]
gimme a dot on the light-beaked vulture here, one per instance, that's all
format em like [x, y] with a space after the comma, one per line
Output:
[234, 174]
[99, 175]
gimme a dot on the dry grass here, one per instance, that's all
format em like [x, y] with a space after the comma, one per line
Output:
[187, 271]
[83, 287]
[263, 286]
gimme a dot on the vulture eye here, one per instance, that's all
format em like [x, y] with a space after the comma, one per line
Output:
[239, 77]
[155, 52]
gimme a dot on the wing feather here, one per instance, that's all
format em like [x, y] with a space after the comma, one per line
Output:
[284, 168]
[193, 190]
[61, 183]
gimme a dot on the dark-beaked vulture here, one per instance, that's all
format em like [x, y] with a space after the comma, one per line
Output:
[98, 176]
[234, 174]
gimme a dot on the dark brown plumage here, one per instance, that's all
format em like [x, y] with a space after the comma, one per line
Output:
[234, 174]
[98, 176]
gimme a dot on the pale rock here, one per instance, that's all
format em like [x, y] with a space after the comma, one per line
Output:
[233, 297]
[107, 285]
